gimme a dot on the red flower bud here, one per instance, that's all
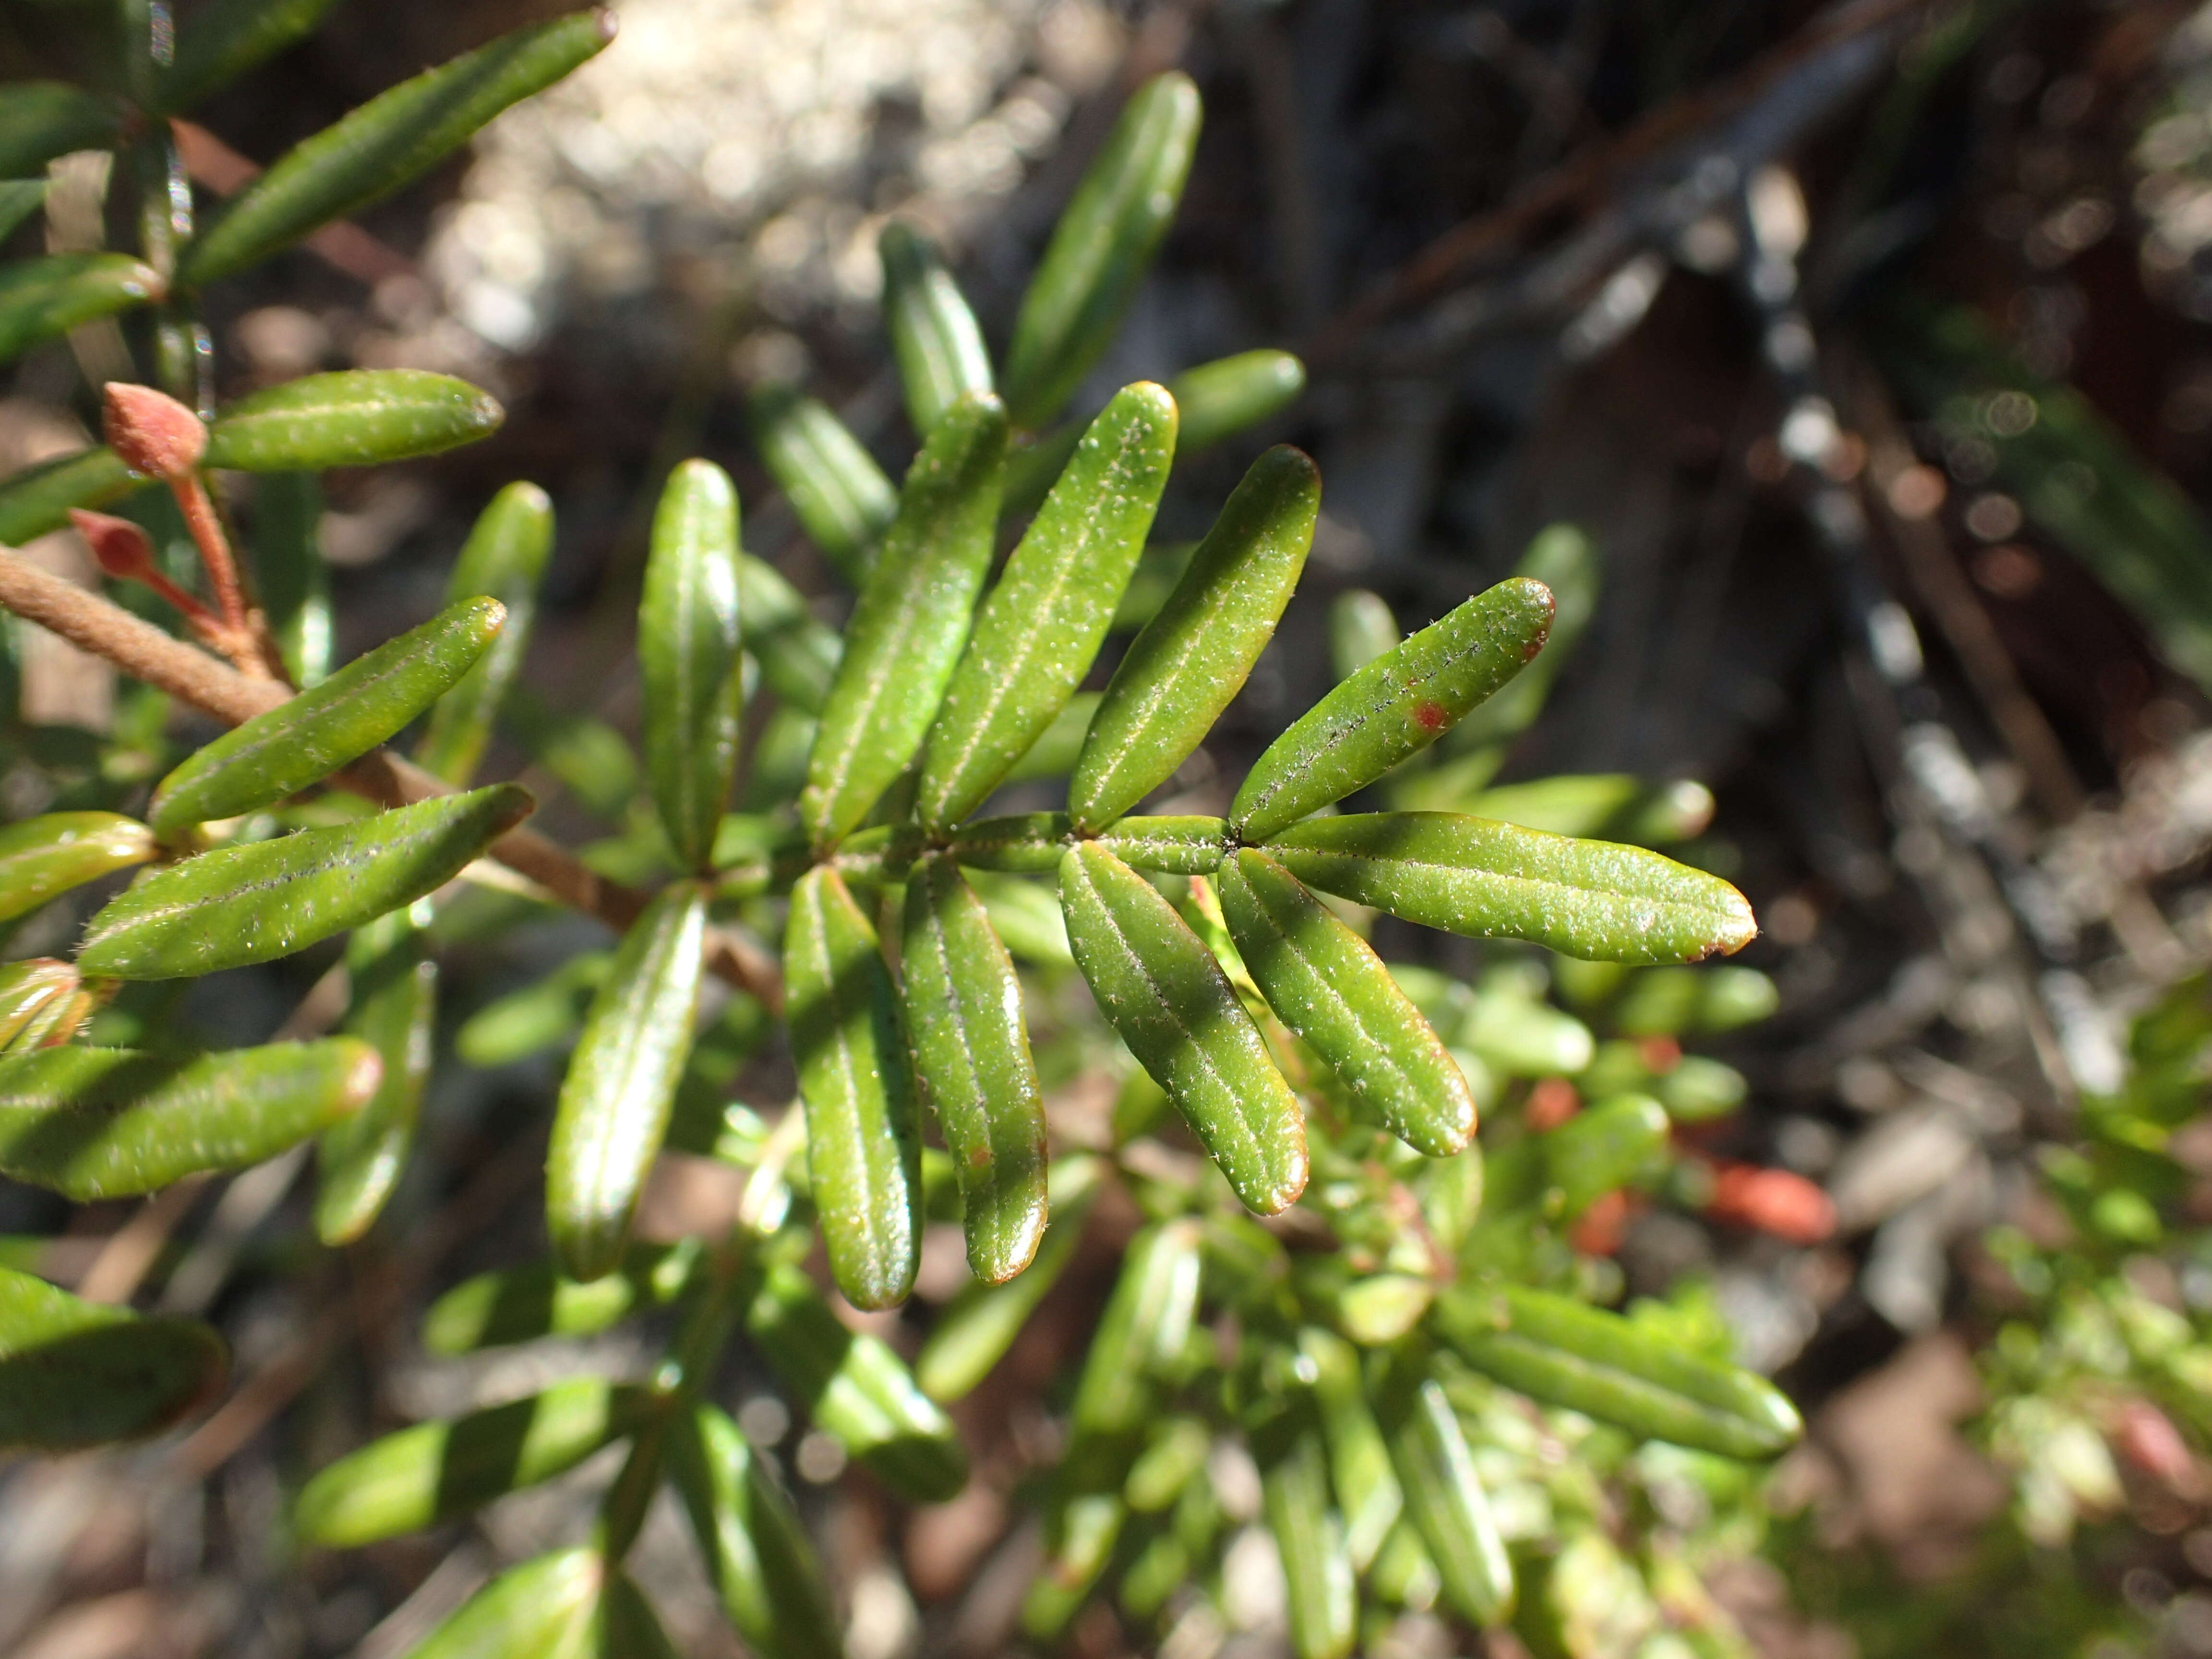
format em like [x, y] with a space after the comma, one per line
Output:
[153, 432]
[121, 546]
[1772, 1201]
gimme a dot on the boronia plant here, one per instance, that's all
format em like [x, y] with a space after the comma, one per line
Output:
[1392, 1361]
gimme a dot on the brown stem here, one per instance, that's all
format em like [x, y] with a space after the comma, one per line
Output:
[191, 675]
[242, 645]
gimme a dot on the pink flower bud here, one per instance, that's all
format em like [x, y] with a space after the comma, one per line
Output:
[153, 432]
[121, 546]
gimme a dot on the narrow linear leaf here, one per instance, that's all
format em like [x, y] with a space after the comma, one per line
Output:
[41, 119]
[854, 1387]
[42, 298]
[76, 1373]
[435, 1471]
[759, 1559]
[1146, 1322]
[1680, 1001]
[1565, 560]
[39, 498]
[935, 335]
[626, 1627]
[1080, 1532]
[94, 1123]
[1175, 1454]
[798, 655]
[1161, 988]
[591, 759]
[1032, 843]
[1443, 1496]
[1324, 982]
[1102, 248]
[1360, 1471]
[503, 559]
[395, 1011]
[245, 904]
[353, 417]
[1040, 629]
[1563, 1353]
[520, 1304]
[971, 1055]
[19, 199]
[1396, 706]
[1616, 1143]
[1052, 755]
[43, 857]
[687, 640]
[864, 1155]
[538, 1016]
[226, 39]
[1192, 658]
[1221, 398]
[542, 1609]
[394, 137]
[1582, 899]
[912, 620]
[1518, 1036]
[1360, 629]
[1317, 1572]
[843, 500]
[291, 580]
[615, 1102]
[303, 741]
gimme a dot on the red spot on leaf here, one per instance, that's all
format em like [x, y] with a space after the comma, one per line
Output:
[1431, 716]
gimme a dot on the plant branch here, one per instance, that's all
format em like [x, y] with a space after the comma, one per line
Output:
[191, 675]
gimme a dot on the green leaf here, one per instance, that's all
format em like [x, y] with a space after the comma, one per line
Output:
[1396, 706]
[93, 1123]
[856, 1389]
[1582, 899]
[435, 1471]
[244, 905]
[395, 1011]
[912, 620]
[544, 1609]
[1223, 397]
[798, 655]
[520, 1304]
[44, 857]
[226, 38]
[1443, 1496]
[1143, 1331]
[32, 995]
[1309, 1533]
[1686, 1001]
[1052, 755]
[352, 417]
[394, 137]
[615, 1101]
[19, 199]
[758, 1557]
[1102, 248]
[1040, 629]
[1161, 988]
[1080, 1532]
[935, 335]
[1325, 983]
[864, 1154]
[39, 498]
[1519, 1036]
[1620, 1142]
[1033, 843]
[1192, 658]
[41, 119]
[626, 1626]
[687, 643]
[1360, 629]
[590, 757]
[74, 1373]
[971, 1055]
[1175, 1454]
[1565, 559]
[982, 1320]
[1563, 1353]
[843, 500]
[538, 1016]
[303, 741]
[503, 559]
[291, 579]
[1360, 1470]
[42, 298]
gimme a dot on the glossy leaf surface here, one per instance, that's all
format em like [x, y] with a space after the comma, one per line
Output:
[1324, 982]
[1309, 1533]
[39, 498]
[688, 647]
[93, 1123]
[1033, 843]
[913, 618]
[1221, 398]
[855, 1387]
[435, 1470]
[759, 1559]
[41, 119]
[1161, 988]
[254, 903]
[797, 654]
[1396, 706]
[971, 1055]
[1488, 880]
[1444, 1497]
[76, 1373]
[373, 150]
[520, 1304]
[1192, 658]
[1102, 248]
[843, 500]
[935, 335]
[503, 559]
[47, 855]
[1565, 1353]
[291, 579]
[615, 1101]
[1360, 1471]
[1040, 629]
[863, 1150]
[542, 1609]
[303, 741]
[395, 1011]
[354, 417]
[42, 298]
[1146, 1321]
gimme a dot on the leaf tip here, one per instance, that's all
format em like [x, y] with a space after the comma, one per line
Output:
[1737, 927]
[608, 24]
